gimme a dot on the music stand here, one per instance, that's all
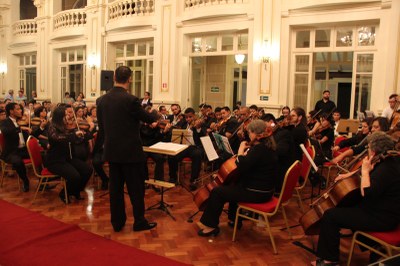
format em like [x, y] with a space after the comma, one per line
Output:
[161, 205]
[182, 136]
[348, 125]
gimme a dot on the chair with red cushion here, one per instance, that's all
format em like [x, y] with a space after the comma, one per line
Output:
[43, 174]
[7, 167]
[328, 165]
[390, 240]
[271, 207]
[305, 172]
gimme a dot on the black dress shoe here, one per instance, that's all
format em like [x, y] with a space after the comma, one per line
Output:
[144, 226]
[118, 228]
[232, 224]
[214, 232]
[25, 186]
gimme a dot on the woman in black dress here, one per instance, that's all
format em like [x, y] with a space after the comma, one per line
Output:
[257, 166]
[59, 156]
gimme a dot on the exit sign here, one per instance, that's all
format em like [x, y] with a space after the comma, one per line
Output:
[264, 98]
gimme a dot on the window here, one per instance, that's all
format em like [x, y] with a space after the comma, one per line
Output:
[138, 56]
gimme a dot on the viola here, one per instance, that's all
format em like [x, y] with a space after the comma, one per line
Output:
[227, 173]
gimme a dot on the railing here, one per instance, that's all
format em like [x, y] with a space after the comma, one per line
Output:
[130, 8]
[189, 4]
[70, 18]
[25, 27]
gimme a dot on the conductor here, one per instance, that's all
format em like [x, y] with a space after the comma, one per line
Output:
[119, 114]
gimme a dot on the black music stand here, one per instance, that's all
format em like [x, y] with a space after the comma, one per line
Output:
[182, 136]
[161, 205]
[348, 125]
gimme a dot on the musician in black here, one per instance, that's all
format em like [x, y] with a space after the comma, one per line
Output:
[284, 147]
[194, 151]
[298, 121]
[257, 166]
[379, 208]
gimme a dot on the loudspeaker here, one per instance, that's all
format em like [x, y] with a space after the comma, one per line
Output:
[106, 80]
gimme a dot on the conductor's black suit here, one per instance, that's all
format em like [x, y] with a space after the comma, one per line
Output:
[119, 114]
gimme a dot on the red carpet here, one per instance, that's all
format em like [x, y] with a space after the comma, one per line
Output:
[29, 238]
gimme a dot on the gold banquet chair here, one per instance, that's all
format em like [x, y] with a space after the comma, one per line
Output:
[271, 207]
[390, 240]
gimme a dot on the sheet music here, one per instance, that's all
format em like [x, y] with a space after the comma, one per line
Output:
[209, 148]
[303, 148]
[182, 136]
[223, 143]
[174, 147]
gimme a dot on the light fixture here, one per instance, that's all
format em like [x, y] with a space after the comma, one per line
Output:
[239, 57]
[93, 61]
[265, 53]
[3, 69]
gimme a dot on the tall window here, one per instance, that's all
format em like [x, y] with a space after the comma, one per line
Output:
[72, 70]
[330, 58]
[138, 56]
[27, 73]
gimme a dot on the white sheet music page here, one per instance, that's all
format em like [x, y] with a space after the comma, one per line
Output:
[175, 147]
[209, 148]
[227, 145]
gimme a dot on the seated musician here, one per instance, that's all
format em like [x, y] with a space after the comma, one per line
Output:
[257, 165]
[60, 159]
[336, 119]
[356, 139]
[244, 119]
[285, 114]
[150, 135]
[194, 152]
[323, 140]
[40, 126]
[284, 148]
[299, 133]
[378, 124]
[14, 150]
[379, 207]
[214, 121]
[176, 118]
[227, 127]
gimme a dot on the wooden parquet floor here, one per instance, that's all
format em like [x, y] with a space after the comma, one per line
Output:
[178, 239]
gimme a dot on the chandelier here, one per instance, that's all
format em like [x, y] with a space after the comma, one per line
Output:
[366, 36]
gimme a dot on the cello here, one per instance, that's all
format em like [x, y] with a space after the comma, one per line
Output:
[343, 193]
[227, 173]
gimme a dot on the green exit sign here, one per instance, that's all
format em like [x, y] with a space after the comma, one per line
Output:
[214, 89]
[264, 98]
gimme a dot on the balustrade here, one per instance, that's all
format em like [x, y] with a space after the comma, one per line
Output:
[202, 3]
[130, 8]
[70, 18]
[25, 27]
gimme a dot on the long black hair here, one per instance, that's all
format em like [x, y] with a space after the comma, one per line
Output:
[57, 119]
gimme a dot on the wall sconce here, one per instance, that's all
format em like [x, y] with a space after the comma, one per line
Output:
[265, 53]
[239, 58]
[3, 69]
[93, 61]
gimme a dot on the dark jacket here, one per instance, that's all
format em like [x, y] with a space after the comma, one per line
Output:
[11, 137]
[119, 114]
